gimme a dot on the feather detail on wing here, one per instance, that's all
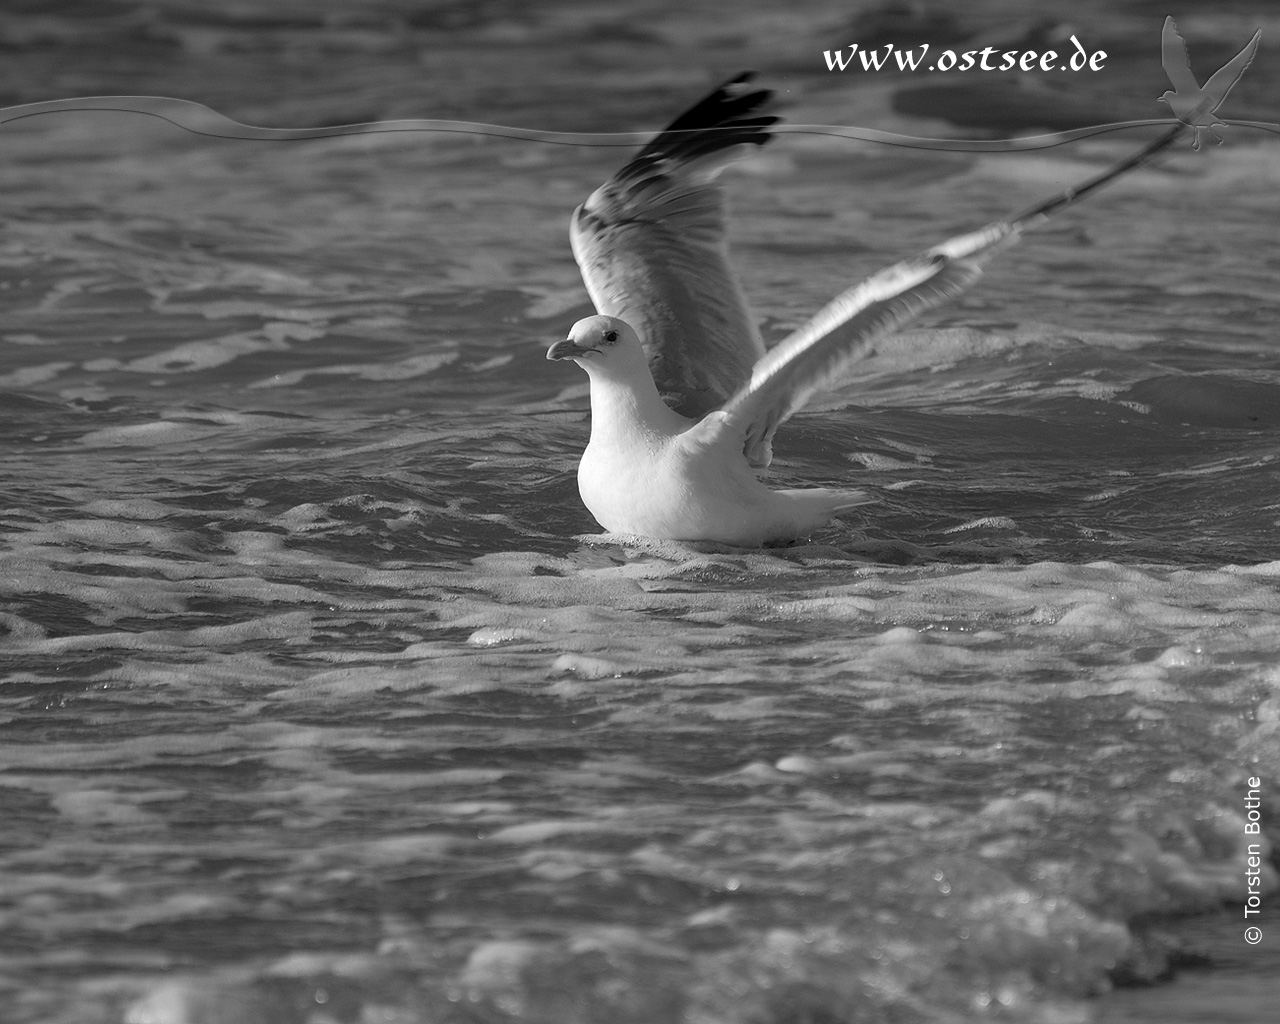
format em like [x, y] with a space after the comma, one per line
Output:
[842, 332]
[650, 243]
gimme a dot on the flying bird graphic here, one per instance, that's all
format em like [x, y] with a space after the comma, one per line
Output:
[1191, 104]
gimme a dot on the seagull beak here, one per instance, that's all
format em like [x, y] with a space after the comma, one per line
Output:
[567, 349]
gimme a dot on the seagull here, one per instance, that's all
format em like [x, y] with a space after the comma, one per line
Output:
[685, 398]
[1191, 104]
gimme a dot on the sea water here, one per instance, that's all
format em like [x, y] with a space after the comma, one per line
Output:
[325, 700]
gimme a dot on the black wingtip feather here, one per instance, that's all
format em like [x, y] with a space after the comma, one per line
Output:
[729, 116]
[730, 104]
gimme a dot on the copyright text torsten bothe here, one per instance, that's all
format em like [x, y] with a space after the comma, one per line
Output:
[1253, 862]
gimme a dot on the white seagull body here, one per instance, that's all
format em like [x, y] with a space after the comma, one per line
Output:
[684, 397]
[648, 470]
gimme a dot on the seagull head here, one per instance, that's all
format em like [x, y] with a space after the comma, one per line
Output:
[602, 344]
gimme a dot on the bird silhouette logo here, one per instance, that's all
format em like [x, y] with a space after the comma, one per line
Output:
[1192, 105]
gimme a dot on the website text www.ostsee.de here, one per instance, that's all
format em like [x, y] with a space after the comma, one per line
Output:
[890, 57]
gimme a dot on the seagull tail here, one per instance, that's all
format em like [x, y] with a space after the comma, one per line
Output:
[850, 499]
[812, 507]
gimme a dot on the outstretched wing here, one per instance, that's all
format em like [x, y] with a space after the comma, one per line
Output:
[818, 354]
[843, 331]
[1225, 77]
[650, 243]
[1173, 56]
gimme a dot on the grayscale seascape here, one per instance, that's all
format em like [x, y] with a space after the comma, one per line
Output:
[324, 701]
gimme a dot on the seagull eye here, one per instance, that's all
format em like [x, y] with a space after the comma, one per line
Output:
[610, 337]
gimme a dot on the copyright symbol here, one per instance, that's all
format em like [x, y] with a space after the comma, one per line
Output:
[1253, 936]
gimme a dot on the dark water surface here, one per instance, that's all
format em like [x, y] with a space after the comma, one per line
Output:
[322, 698]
